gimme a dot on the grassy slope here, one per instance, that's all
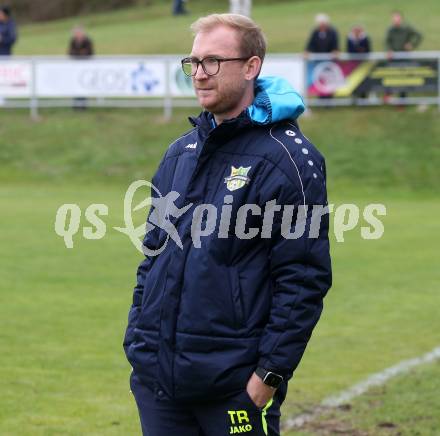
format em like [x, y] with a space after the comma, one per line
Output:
[363, 148]
[287, 25]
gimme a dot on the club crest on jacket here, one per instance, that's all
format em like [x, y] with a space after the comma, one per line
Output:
[238, 178]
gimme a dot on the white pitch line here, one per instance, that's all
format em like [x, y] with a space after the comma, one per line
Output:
[377, 379]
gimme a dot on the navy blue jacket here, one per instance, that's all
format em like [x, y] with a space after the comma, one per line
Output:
[203, 318]
[8, 36]
[358, 45]
[323, 41]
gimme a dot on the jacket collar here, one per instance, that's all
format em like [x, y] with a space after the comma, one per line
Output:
[275, 100]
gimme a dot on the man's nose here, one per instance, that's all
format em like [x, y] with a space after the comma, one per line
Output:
[200, 73]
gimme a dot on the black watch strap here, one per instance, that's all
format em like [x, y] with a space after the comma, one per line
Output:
[269, 378]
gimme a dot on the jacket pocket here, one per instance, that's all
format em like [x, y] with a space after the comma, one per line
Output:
[236, 297]
[142, 354]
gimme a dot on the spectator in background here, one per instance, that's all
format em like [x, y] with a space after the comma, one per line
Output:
[80, 44]
[179, 7]
[80, 47]
[8, 31]
[324, 38]
[401, 36]
[358, 41]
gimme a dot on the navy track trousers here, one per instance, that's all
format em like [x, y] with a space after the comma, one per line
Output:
[235, 415]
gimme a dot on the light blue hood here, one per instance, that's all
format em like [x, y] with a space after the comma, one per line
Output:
[275, 100]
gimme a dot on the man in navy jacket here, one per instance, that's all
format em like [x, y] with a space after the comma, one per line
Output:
[237, 259]
[8, 32]
[324, 38]
[358, 42]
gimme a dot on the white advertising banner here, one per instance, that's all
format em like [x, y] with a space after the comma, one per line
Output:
[180, 83]
[15, 79]
[57, 78]
[290, 69]
[95, 78]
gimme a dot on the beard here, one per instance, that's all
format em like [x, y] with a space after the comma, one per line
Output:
[225, 100]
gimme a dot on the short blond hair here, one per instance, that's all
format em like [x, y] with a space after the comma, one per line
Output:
[252, 41]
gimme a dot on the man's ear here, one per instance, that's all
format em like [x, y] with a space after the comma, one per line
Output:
[253, 67]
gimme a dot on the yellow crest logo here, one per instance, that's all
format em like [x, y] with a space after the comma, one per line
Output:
[238, 178]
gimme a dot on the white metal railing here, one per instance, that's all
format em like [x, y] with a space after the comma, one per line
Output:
[157, 81]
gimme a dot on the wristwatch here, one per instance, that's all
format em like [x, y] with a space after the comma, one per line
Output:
[269, 378]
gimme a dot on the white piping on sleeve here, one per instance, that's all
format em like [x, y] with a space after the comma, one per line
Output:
[296, 167]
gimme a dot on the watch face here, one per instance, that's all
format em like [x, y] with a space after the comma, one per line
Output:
[272, 379]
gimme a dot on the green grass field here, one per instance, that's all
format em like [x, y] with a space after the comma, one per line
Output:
[399, 408]
[63, 312]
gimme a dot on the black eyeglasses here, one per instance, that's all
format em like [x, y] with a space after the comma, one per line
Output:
[210, 65]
